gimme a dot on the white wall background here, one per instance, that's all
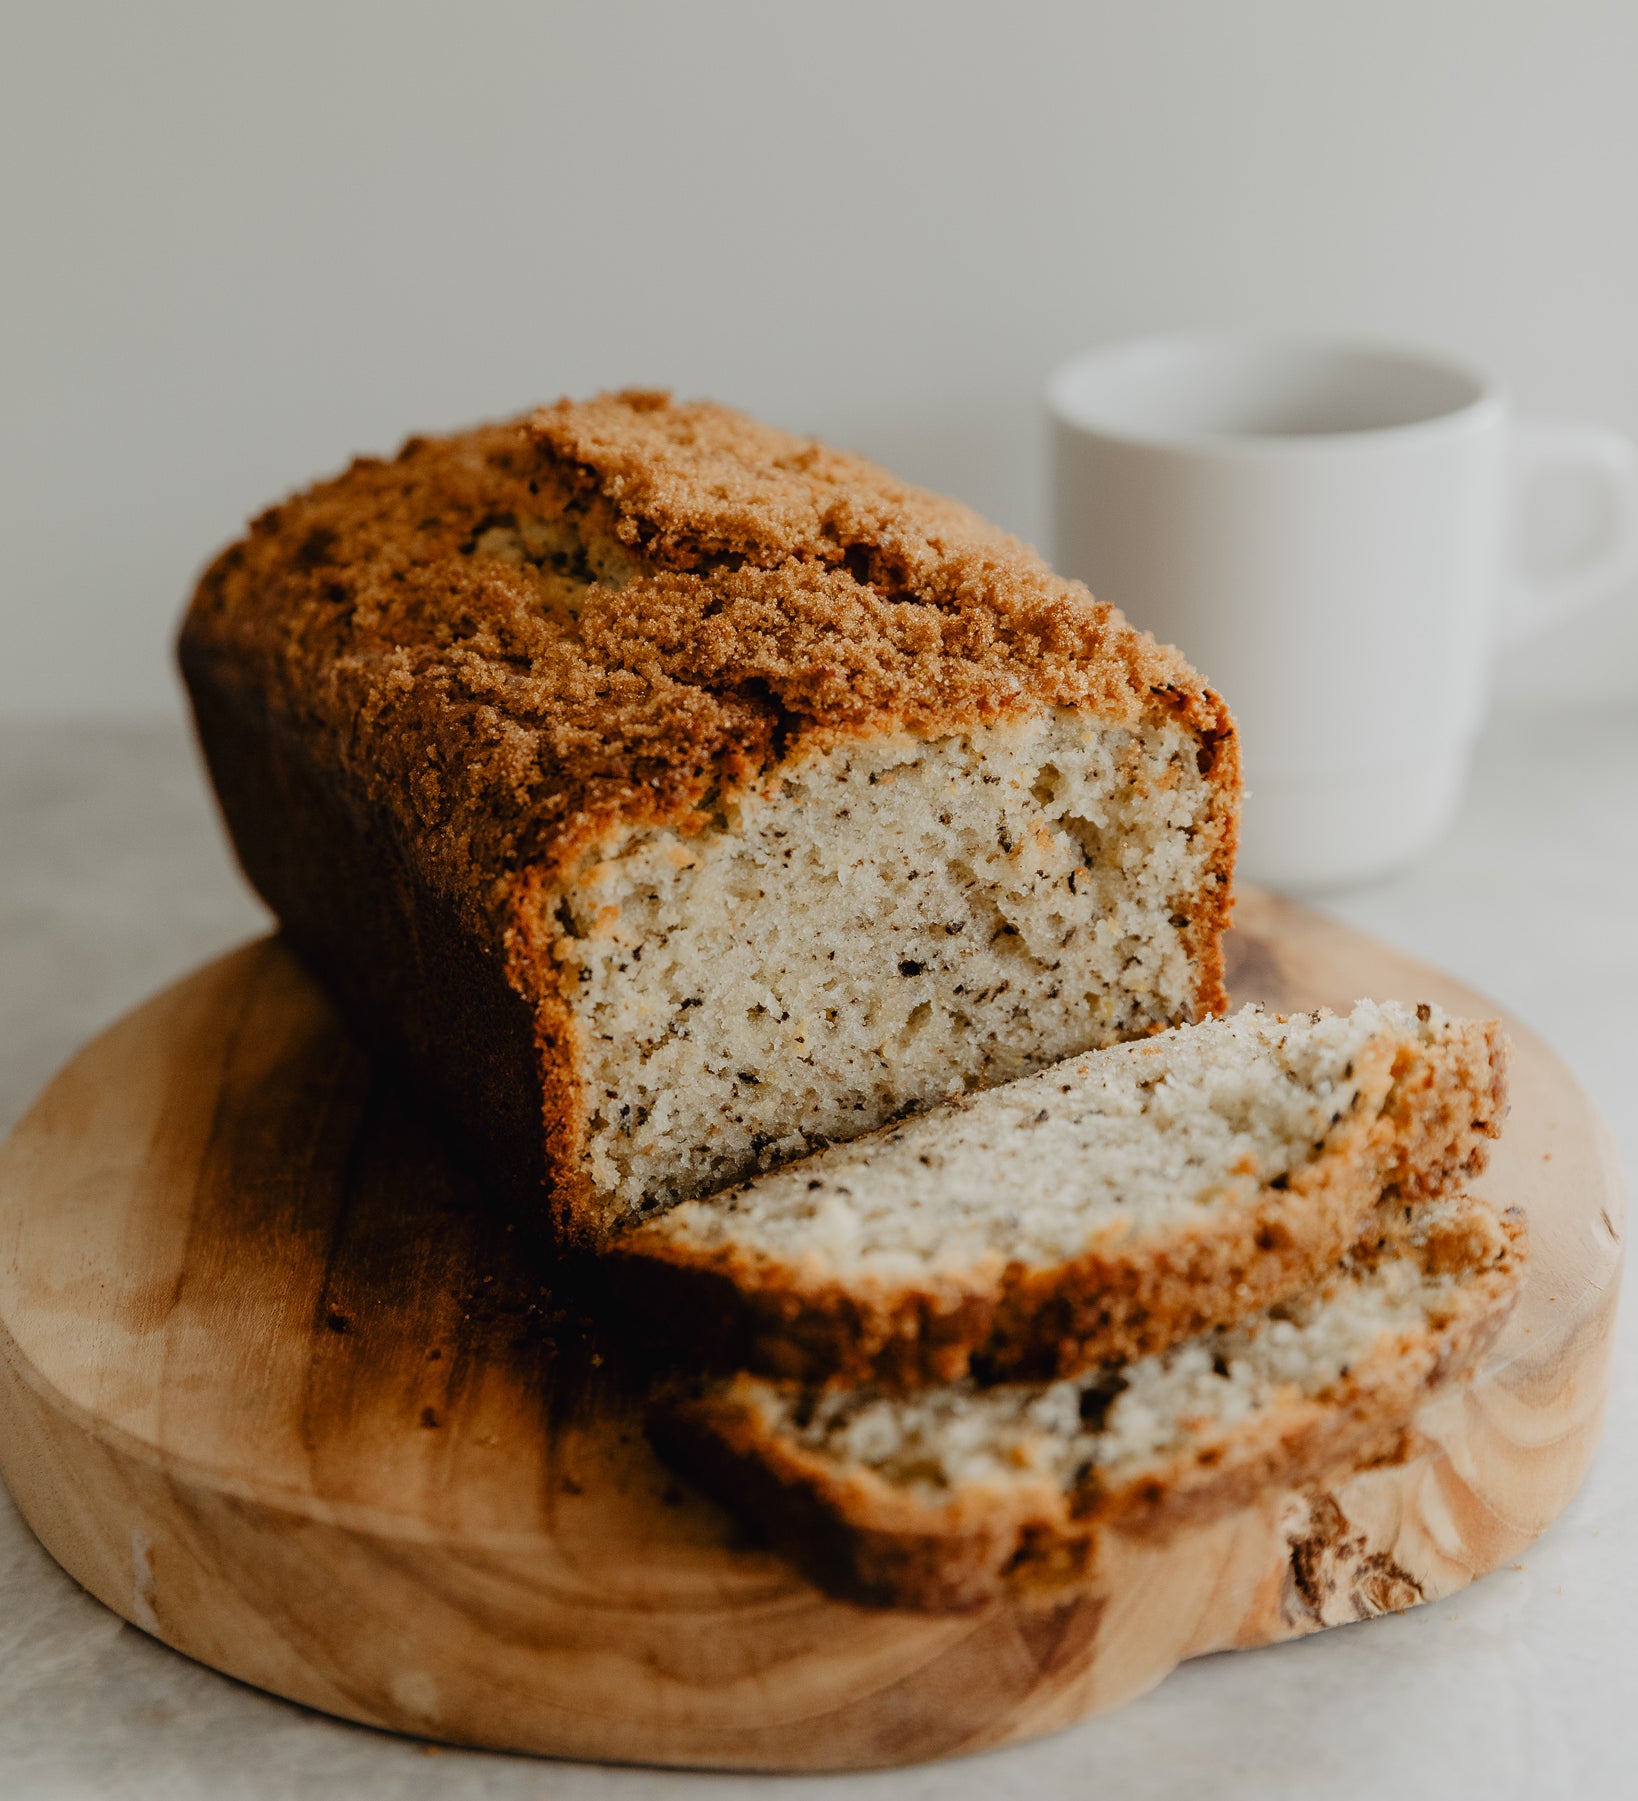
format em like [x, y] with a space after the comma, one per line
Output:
[241, 242]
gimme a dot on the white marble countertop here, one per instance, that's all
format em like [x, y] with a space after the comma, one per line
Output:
[114, 880]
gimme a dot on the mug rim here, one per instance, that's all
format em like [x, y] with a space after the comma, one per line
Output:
[1484, 394]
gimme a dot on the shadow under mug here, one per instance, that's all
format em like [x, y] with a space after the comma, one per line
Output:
[1326, 532]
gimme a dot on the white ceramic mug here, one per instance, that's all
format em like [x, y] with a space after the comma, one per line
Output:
[1323, 529]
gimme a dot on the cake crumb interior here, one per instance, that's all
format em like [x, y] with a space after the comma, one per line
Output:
[884, 925]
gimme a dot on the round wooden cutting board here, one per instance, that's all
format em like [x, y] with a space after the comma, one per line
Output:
[275, 1388]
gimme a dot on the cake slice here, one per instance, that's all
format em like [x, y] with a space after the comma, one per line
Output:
[947, 1498]
[1103, 1208]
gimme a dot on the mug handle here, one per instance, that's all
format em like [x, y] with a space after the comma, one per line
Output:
[1606, 462]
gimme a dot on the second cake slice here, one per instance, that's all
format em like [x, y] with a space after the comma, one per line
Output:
[956, 1495]
[1105, 1208]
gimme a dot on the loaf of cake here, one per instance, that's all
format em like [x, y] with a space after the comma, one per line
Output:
[1103, 1208]
[671, 796]
[951, 1496]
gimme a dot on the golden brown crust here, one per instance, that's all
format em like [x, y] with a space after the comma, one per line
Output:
[1425, 1117]
[504, 648]
[868, 1540]
[459, 1029]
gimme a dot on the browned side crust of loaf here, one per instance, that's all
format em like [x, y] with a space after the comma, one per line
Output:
[451, 737]
[429, 998]
[1425, 1117]
[861, 1539]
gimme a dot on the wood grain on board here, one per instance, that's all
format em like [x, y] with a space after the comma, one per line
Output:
[275, 1387]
